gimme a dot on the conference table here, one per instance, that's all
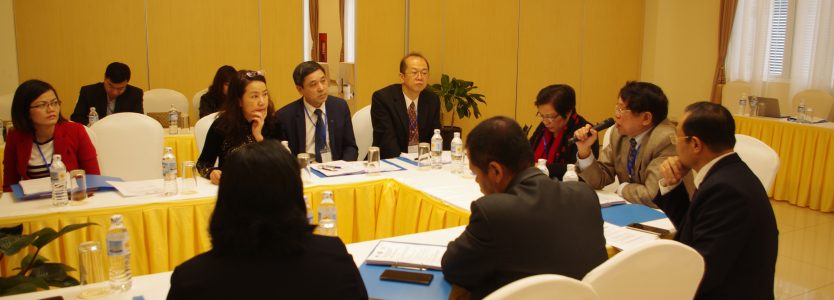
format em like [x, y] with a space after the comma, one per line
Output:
[806, 153]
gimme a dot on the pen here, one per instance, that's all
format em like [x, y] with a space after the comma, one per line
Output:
[408, 268]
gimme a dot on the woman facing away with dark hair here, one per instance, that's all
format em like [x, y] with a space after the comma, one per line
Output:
[247, 117]
[262, 245]
[40, 131]
[212, 101]
[556, 105]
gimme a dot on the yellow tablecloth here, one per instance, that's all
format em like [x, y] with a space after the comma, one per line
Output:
[806, 153]
[163, 235]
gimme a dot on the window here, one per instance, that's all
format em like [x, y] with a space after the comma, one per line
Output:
[778, 39]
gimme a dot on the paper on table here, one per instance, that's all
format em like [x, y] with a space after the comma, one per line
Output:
[607, 199]
[407, 255]
[138, 188]
[623, 238]
[446, 157]
[36, 186]
[339, 167]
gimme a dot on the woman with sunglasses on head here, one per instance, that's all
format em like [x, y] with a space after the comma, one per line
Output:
[40, 131]
[247, 116]
[556, 105]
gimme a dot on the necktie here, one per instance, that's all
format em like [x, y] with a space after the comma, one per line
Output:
[632, 155]
[413, 134]
[321, 135]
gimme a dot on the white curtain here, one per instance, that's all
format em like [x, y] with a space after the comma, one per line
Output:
[809, 60]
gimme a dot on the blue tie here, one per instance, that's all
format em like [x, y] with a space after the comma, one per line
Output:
[321, 135]
[632, 156]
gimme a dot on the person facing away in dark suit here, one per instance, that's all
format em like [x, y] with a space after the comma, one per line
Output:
[212, 101]
[113, 95]
[404, 115]
[262, 245]
[526, 223]
[729, 220]
[317, 123]
[556, 105]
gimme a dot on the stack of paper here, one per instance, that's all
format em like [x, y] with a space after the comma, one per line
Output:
[407, 255]
[138, 188]
[623, 238]
[340, 167]
[607, 199]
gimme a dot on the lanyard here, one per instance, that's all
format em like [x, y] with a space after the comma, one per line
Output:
[48, 164]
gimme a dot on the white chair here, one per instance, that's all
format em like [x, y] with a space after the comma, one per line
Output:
[201, 130]
[755, 153]
[363, 130]
[732, 91]
[661, 269]
[160, 100]
[820, 101]
[92, 135]
[6, 106]
[129, 146]
[545, 286]
[195, 101]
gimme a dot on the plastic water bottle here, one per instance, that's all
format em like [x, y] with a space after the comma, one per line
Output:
[570, 174]
[92, 117]
[309, 209]
[327, 215]
[457, 154]
[800, 111]
[169, 172]
[742, 104]
[58, 177]
[436, 150]
[542, 165]
[118, 251]
[173, 120]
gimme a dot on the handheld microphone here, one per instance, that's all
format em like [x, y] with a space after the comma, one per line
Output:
[599, 126]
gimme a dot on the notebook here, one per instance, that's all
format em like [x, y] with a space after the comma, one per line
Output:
[771, 107]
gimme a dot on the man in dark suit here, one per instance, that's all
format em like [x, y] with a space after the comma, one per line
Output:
[729, 220]
[114, 95]
[526, 224]
[404, 115]
[317, 123]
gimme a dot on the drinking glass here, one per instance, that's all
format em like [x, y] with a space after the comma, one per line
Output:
[189, 177]
[303, 164]
[186, 124]
[373, 161]
[78, 186]
[423, 156]
[809, 115]
[90, 263]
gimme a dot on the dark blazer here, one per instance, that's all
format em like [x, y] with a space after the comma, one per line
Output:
[94, 96]
[538, 226]
[566, 154]
[209, 104]
[324, 271]
[389, 117]
[730, 222]
[339, 127]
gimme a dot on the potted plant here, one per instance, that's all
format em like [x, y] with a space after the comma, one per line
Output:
[459, 100]
[35, 272]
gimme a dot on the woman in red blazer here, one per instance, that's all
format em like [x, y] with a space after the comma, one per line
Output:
[41, 131]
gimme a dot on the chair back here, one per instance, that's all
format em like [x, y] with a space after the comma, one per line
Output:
[732, 91]
[201, 130]
[820, 101]
[754, 152]
[6, 106]
[660, 269]
[195, 101]
[92, 135]
[129, 146]
[363, 130]
[160, 100]
[544, 286]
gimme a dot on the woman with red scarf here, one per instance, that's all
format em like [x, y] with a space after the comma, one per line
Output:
[556, 105]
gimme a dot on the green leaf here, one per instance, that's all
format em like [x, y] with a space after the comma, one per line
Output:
[11, 245]
[21, 284]
[74, 227]
[444, 80]
[50, 272]
[28, 259]
[14, 230]
[48, 234]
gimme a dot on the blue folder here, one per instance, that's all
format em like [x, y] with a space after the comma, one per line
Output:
[94, 183]
[622, 215]
[381, 289]
[321, 175]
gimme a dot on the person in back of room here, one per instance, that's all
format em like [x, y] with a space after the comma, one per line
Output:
[405, 114]
[262, 245]
[248, 117]
[212, 100]
[556, 105]
[113, 95]
[317, 123]
[526, 223]
[729, 219]
[40, 131]
[639, 144]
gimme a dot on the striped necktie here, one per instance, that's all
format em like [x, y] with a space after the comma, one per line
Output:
[413, 133]
[632, 156]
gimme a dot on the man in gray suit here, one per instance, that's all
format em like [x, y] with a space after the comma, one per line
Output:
[526, 224]
[639, 144]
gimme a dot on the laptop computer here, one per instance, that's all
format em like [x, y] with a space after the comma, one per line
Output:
[771, 107]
